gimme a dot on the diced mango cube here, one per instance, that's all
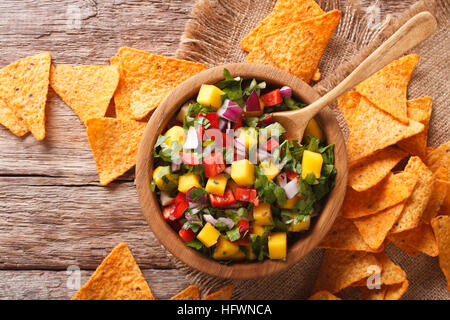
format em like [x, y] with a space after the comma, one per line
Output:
[313, 130]
[256, 113]
[277, 244]
[187, 181]
[216, 185]
[258, 230]
[270, 170]
[262, 214]
[164, 179]
[208, 235]
[210, 95]
[239, 256]
[243, 173]
[311, 163]
[176, 133]
[248, 137]
[300, 226]
[290, 203]
[225, 249]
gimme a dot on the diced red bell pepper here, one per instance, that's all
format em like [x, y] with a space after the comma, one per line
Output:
[213, 165]
[247, 195]
[179, 198]
[272, 98]
[267, 120]
[179, 210]
[186, 235]
[243, 226]
[176, 225]
[169, 211]
[271, 144]
[212, 117]
[292, 175]
[222, 202]
[190, 158]
[238, 124]
[214, 134]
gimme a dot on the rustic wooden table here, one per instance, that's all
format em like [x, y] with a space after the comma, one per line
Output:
[54, 215]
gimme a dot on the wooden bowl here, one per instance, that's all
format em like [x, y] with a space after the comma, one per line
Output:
[149, 203]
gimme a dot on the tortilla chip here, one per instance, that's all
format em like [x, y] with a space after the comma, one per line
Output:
[284, 13]
[344, 236]
[223, 294]
[323, 295]
[438, 195]
[348, 103]
[190, 293]
[298, 47]
[371, 170]
[24, 87]
[420, 239]
[417, 203]
[10, 120]
[317, 75]
[375, 228]
[117, 278]
[386, 89]
[86, 89]
[373, 130]
[146, 79]
[396, 291]
[441, 227]
[439, 158]
[418, 110]
[373, 294]
[340, 269]
[114, 144]
[394, 189]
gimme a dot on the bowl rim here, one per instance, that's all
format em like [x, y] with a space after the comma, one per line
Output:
[150, 206]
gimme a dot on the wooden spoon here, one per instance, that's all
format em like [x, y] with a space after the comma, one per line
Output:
[413, 32]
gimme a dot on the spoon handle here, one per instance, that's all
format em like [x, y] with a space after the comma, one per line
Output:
[413, 32]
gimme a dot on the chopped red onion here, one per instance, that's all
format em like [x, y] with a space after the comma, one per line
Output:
[165, 199]
[195, 204]
[192, 139]
[252, 103]
[286, 92]
[209, 218]
[223, 124]
[230, 111]
[193, 216]
[240, 148]
[263, 155]
[175, 167]
[229, 223]
[282, 179]
[291, 189]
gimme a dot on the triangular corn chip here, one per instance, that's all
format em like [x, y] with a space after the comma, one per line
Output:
[420, 239]
[418, 110]
[284, 13]
[439, 158]
[386, 89]
[371, 170]
[396, 291]
[438, 195]
[323, 295]
[190, 293]
[415, 206]
[117, 278]
[394, 189]
[146, 79]
[373, 130]
[223, 294]
[373, 294]
[10, 120]
[86, 89]
[24, 87]
[348, 103]
[298, 47]
[441, 228]
[114, 144]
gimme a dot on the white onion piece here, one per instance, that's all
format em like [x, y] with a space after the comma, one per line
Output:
[193, 205]
[228, 103]
[193, 216]
[291, 189]
[191, 140]
[282, 179]
[286, 92]
[252, 103]
[165, 199]
[175, 166]
[229, 223]
[209, 218]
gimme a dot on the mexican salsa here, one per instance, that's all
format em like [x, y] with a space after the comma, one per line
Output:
[230, 182]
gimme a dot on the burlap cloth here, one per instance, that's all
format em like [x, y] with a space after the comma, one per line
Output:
[213, 36]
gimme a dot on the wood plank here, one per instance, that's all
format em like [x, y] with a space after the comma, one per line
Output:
[42, 285]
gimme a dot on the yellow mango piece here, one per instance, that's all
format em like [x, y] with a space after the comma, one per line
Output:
[301, 226]
[256, 113]
[208, 235]
[225, 249]
[243, 173]
[290, 203]
[277, 244]
[262, 215]
[313, 130]
[164, 179]
[176, 133]
[248, 137]
[187, 181]
[239, 256]
[270, 170]
[210, 95]
[258, 230]
[216, 185]
[311, 163]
